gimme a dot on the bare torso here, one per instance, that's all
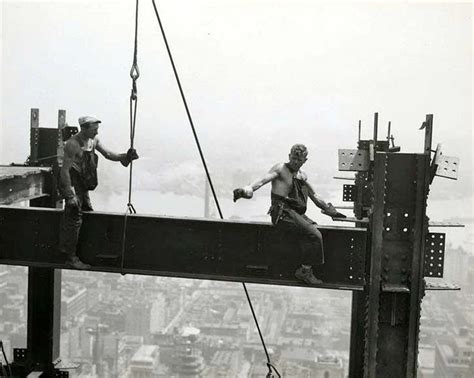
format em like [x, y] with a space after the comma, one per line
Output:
[283, 183]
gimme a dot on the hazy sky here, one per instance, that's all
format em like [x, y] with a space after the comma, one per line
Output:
[258, 75]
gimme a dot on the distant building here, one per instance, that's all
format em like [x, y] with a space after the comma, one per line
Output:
[455, 266]
[231, 330]
[145, 362]
[110, 313]
[224, 363]
[426, 361]
[302, 362]
[454, 357]
[137, 319]
[328, 367]
[73, 302]
[299, 356]
[158, 314]
[187, 360]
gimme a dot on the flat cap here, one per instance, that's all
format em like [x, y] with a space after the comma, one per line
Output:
[88, 119]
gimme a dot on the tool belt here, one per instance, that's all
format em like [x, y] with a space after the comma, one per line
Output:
[276, 211]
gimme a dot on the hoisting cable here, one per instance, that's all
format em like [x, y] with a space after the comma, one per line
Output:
[134, 75]
[203, 160]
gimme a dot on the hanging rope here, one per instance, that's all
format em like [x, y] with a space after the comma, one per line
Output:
[134, 75]
[216, 200]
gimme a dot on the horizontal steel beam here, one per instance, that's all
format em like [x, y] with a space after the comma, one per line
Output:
[182, 247]
[22, 183]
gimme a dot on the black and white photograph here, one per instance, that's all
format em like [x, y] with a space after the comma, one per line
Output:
[239, 188]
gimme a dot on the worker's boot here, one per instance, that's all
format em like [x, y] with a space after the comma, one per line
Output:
[75, 263]
[306, 275]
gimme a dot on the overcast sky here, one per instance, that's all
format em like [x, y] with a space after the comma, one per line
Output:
[258, 75]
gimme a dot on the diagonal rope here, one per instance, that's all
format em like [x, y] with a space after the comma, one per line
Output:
[216, 200]
[188, 113]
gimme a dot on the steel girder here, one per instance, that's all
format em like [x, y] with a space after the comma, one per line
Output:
[19, 183]
[181, 247]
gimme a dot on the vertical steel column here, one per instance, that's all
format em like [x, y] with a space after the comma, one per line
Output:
[44, 284]
[428, 133]
[360, 300]
[420, 231]
[34, 136]
[356, 356]
[374, 284]
[398, 227]
[417, 290]
[44, 316]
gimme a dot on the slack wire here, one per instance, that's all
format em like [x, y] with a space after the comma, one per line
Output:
[203, 160]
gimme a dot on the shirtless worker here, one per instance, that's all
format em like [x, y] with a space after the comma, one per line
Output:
[79, 175]
[290, 191]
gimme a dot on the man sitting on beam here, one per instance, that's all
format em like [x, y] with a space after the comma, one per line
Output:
[289, 195]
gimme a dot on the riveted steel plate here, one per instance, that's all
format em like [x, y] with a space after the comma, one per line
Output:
[68, 132]
[349, 192]
[434, 254]
[353, 160]
[19, 355]
[447, 166]
[398, 224]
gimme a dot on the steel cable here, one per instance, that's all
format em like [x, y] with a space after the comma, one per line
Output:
[134, 75]
[203, 160]
[8, 370]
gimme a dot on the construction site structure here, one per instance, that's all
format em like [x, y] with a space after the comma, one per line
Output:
[383, 256]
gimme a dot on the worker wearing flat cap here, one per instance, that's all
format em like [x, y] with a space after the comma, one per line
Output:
[78, 176]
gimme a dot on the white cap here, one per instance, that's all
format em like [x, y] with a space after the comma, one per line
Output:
[88, 119]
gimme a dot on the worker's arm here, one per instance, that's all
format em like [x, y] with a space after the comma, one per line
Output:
[124, 158]
[70, 150]
[109, 155]
[326, 208]
[247, 192]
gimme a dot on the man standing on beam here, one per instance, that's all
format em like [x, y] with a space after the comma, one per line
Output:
[78, 176]
[289, 195]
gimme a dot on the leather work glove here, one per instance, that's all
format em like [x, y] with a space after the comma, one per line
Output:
[129, 157]
[246, 192]
[332, 212]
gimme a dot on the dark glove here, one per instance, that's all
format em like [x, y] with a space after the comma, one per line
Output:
[129, 157]
[242, 193]
[332, 212]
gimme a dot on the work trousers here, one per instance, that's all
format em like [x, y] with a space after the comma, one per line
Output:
[71, 222]
[310, 239]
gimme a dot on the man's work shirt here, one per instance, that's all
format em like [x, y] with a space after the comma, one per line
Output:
[83, 171]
